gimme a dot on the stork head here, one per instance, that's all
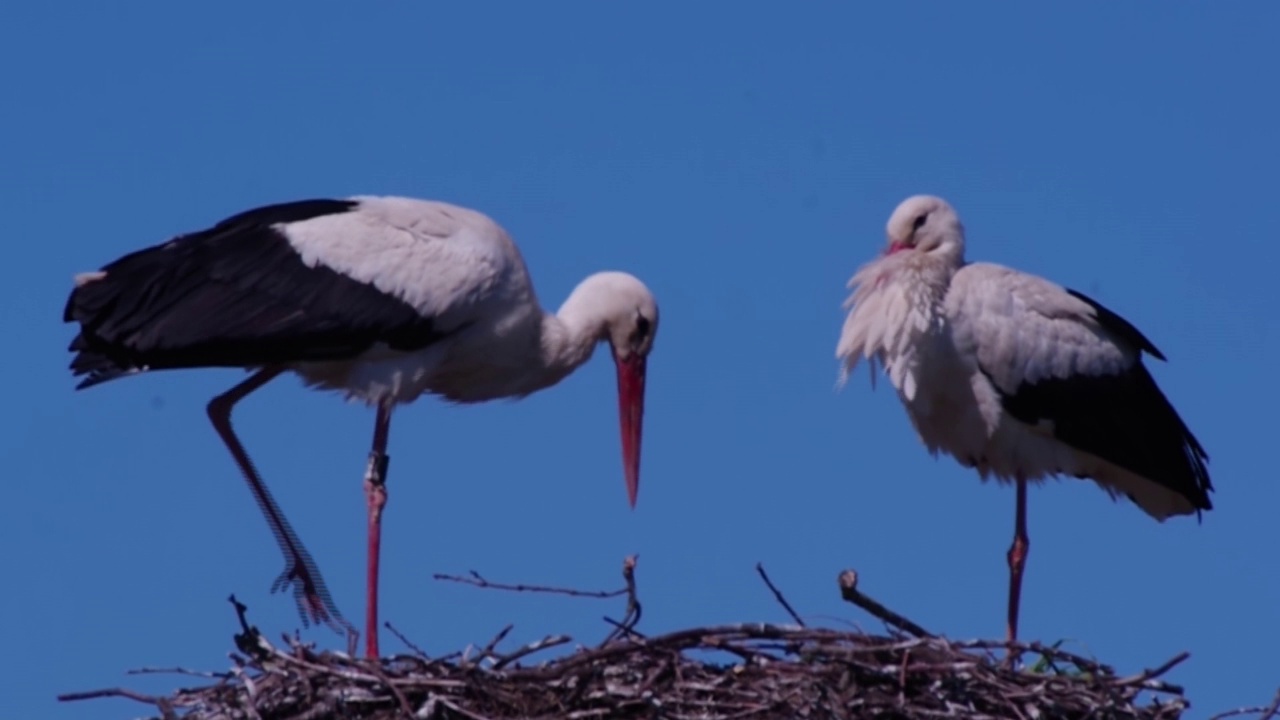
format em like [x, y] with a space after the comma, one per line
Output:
[628, 317]
[925, 224]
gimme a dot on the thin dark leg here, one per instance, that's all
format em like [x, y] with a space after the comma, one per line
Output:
[1017, 559]
[375, 493]
[300, 573]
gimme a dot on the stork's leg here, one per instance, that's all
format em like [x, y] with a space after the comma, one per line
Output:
[375, 492]
[300, 573]
[1017, 559]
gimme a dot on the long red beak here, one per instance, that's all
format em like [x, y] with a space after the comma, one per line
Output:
[631, 372]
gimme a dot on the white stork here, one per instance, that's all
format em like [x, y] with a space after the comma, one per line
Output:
[379, 298]
[1017, 377]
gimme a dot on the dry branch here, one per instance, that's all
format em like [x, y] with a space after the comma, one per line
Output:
[476, 579]
[1262, 713]
[764, 671]
[849, 591]
[777, 595]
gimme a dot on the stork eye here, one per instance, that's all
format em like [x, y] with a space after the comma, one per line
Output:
[641, 330]
[919, 223]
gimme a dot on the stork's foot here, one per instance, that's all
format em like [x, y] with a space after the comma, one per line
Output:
[302, 579]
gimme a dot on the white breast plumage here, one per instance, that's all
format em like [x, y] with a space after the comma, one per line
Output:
[895, 318]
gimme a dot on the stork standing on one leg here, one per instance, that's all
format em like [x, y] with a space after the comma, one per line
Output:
[1017, 377]
[379, 298]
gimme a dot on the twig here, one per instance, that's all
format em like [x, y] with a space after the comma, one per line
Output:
[778, 595]
[179, 671]
[849, 591]
[1080, 661]
[164, 705]
[635, 634]
[533, 647]
[1272, 709]
[902, 677]
[1264, 713]
[487, 652]
[1146, 675]
[632, 616]
[478, 581]
[107, 692]
[407, 643]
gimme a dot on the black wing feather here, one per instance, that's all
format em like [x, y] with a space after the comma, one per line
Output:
[235, 295]
[1118, 325]
[1123, 418]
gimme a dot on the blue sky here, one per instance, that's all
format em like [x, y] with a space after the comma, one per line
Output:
[743, 163]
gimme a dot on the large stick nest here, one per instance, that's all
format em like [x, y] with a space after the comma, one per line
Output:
[752, 670]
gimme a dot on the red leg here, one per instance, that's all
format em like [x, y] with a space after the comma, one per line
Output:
[309, 591]
[375, 492]
[1017, 559]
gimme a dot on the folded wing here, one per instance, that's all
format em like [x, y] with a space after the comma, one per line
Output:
[238, 294]
[1065, 365]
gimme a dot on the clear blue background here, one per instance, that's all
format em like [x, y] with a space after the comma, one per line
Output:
[742, 160]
